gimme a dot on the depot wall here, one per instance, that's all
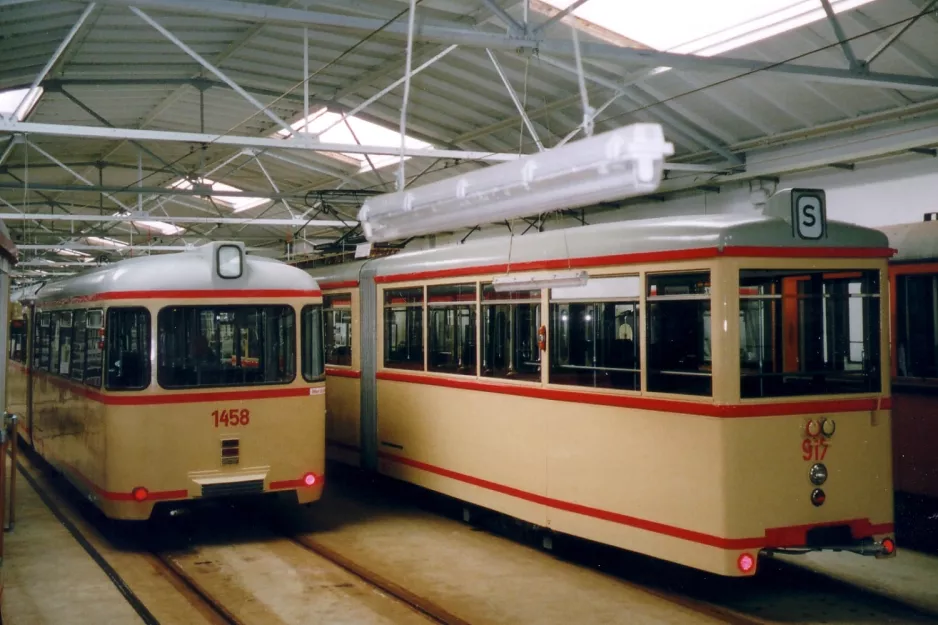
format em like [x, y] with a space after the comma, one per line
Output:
[900, 190]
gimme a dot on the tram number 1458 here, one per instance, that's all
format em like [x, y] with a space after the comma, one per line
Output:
[231, 418]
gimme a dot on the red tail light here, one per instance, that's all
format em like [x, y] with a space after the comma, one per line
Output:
[140, 493]
[309, 479]
[889, 546]
[746, 562]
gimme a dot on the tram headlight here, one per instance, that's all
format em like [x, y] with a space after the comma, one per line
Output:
[827, 427]
[230, 261]
[818, 474]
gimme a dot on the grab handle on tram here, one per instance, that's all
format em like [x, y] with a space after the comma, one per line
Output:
[10, 442]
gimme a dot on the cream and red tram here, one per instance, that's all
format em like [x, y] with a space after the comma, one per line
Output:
[913, 276]
[716, 390]
[176, 377]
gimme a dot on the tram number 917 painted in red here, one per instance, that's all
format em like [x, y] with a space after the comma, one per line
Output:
[231, 418]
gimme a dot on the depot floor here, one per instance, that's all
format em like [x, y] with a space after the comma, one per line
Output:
[49, 578]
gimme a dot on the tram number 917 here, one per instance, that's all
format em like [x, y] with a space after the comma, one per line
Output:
[814, 449]
[231, 418]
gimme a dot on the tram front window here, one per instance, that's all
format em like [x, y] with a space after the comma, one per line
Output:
[204, 346]
[809, 332]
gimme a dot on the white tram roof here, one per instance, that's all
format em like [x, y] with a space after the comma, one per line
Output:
[660, 234]
[192, 270]
[914, 241]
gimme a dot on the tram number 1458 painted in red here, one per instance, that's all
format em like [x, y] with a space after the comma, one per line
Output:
[814, 449]
[231, 418]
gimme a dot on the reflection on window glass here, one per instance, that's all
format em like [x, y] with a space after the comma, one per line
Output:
[203, 346]
[679, 359]
[43, 341]
[77, 365]
[917, 326]
[94, 352]
[451, 316]
[311, 336]
[593, 334]
[18, 340]
[403, 328]
[128, 348]
[509, 334]
[808, 332]
[337, 311]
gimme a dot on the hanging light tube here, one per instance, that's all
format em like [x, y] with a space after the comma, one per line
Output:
[539, 280]
[611, 166]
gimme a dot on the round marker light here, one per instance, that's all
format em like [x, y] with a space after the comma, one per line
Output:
[889, 546]
[812, 427]
[818, 474]
[827, 427]
[309, 479]
[140, 493]
[746, 562]
[818, 497]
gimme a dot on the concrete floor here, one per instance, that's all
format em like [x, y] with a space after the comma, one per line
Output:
[475, 575]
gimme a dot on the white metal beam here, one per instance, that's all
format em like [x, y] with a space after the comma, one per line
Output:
[841, 35]
[560, 15]
[896, 34]
[21, 107]
[517, 102]
[220, 74]
[503, 15]
[224, 221]
[111, 134]
[454, 33]
[849, 147]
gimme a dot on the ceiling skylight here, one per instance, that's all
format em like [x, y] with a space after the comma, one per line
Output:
[330, 129]
[11, 99]
[236, 204]
[704, 28]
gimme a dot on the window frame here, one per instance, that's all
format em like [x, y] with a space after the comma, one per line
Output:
[327, 297]
[322, 342]
[106, 360]
[383, 321]
[594, 301]
[510, 300]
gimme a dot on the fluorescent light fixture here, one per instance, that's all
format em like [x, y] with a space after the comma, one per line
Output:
[106, 241]
[611, 166]
[158, 226]
[539, 280]
[76, 253]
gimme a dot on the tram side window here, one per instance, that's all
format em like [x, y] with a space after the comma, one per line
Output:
[510, 322]
[337, 314]
[593, 334]
[403, 328]
[18, 340]
[678, 318]
[211, 346]
[94, 354]
[128, 349]
[451, 312]
[77, 364]
[311, 335]
[917, 326]
[809, 332]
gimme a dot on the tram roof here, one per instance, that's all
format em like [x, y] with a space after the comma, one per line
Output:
[660, 234]
[192, 270]
[914, 241]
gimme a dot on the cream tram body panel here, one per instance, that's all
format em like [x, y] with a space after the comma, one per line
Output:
[171, 441]
[695, 480]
